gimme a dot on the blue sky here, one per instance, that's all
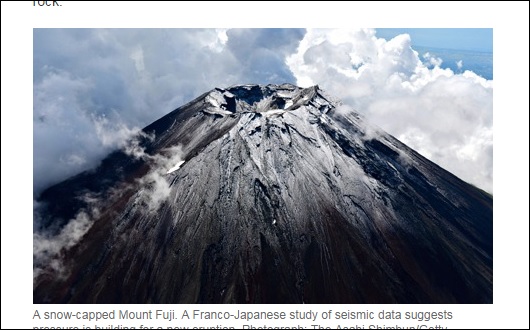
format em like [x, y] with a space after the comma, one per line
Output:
[451, 38]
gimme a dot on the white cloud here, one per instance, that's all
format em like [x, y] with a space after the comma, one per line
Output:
[445, 116]
[137, 56]
[432, 60]
[113, 133]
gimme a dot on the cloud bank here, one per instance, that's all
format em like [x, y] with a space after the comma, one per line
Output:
[447, 117]
[95, 88]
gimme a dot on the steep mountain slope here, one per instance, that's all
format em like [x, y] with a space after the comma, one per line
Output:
[268, 194]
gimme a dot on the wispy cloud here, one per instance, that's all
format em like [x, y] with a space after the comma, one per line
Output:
[49, 248]
[154, 187]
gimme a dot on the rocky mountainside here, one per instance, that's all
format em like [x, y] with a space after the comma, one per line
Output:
[266, 194]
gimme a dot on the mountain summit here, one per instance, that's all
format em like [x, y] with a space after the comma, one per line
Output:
[264, 194]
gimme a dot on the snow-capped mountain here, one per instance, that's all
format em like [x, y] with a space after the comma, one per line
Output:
[264, 194]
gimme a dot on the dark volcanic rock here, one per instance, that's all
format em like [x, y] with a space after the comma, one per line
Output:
[281, 198]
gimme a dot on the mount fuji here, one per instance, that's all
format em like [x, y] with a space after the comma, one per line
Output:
[264, 194]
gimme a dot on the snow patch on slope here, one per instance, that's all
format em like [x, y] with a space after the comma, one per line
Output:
[176, 167]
